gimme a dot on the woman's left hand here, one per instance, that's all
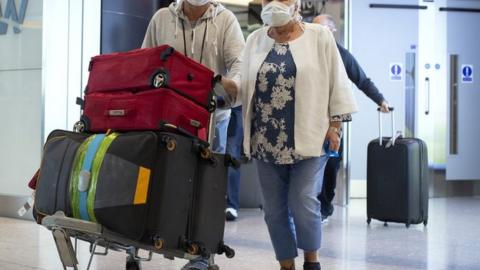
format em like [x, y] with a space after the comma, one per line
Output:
[334, 139]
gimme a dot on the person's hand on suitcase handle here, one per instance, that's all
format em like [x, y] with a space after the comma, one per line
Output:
[384, 107]
[225, 87]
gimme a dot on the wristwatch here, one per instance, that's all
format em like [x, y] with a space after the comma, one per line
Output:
[336, 130]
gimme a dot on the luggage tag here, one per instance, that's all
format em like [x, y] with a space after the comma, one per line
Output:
[27, 206]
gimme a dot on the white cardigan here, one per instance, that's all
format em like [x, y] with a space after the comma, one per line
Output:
[321, 87]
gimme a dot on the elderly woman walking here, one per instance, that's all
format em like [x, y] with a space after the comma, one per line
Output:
[295, 94]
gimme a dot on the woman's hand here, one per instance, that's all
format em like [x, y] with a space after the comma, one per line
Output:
[334, 137]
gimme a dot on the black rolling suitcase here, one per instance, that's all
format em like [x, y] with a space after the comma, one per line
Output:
[397, 179]
[160, 189]
[137, 184]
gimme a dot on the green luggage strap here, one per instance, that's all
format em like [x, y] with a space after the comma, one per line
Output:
[87, 164]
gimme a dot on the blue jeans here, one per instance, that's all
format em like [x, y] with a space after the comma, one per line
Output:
[292, 210]
[234, 148]
[219, 144]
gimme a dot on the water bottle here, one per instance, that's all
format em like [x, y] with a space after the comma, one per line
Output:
[328, 152]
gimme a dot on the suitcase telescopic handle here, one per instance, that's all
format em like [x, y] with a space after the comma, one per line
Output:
[392, 114]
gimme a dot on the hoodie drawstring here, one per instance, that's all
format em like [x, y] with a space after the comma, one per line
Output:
[193, 41]
[215, 13]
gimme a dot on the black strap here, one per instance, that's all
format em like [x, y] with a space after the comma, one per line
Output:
[184, 40]
[203, 41]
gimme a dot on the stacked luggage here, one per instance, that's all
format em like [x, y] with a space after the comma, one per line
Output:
[140, 89]
[139, 174]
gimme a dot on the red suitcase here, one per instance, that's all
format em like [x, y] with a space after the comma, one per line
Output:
[145, 110]
[143, 69]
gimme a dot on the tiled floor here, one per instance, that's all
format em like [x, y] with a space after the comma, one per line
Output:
[451, 241]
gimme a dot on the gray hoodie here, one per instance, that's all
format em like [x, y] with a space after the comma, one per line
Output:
[217, 31]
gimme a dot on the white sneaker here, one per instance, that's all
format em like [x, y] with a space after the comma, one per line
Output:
[231, 214]
[324, 219]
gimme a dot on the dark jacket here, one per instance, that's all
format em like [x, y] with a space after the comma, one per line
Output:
[357, 76]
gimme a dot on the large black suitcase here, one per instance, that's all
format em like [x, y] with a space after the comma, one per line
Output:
[397, 179]
[159, 188]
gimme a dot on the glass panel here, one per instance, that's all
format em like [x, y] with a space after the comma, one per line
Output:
[20, 93]
[463, 97]
[432, 86]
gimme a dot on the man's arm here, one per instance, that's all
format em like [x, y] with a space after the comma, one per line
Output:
[149, 39]
[233, 45]
[357, 76]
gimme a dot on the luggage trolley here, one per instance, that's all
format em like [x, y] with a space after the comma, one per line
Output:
[64, 228]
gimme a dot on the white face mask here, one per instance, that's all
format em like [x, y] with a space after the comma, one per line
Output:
[198, 2]
[277, 14]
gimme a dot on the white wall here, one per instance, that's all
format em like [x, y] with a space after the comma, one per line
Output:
[433, 64]
[42, 71]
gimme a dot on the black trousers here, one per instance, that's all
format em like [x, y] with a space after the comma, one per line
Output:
[330, 183]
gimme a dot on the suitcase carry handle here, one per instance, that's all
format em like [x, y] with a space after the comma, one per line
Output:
[380, 131]
[164, 55]
[165, 126]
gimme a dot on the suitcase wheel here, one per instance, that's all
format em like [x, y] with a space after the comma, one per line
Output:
[230, 253]
[159, 243]
[193, 249]
[425, 222]
[206, 153]
[171, 145]
[369, 220]
[385, 224]
[159, 79]
[407, 225]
